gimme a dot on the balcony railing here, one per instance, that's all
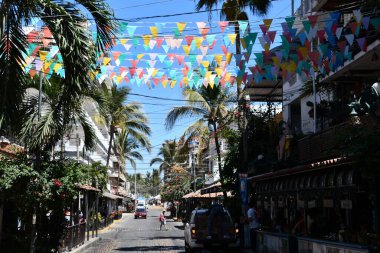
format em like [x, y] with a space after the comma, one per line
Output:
[74, 236]
[318, 146]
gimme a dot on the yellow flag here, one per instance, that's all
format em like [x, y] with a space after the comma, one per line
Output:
[208, 74]
[43, 55]
[211, 83]
[198, 41]
[227, 77]
[164, 82]
[303, 51]
[57, 67]
[119, 79]
[218, 58]
[155, 71]
[292, 67]
[123, 41]
[275, 61]
[219, 71]
[139, 56]
[205, 64]
[172, 83]
[154, 31]
[267, 23]
[181, 26]
[266, 47]
[47, 65]
[146, 39]
[232, 37]
[186, 81]
[243, 44]
[228, 58]
[106, 60]
[186, 49]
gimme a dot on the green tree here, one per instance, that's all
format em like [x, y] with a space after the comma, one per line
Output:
[119, 113]
[209, 106]
[168, 156]
[66, 20]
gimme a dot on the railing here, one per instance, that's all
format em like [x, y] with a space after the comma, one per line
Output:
[318, 146]
[73, 236]
[268, 242]
[308, 245]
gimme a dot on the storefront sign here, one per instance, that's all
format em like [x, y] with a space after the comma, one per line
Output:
[328, 203]
[311, 204]
[346, 204]
[300, 203]
[243, 188]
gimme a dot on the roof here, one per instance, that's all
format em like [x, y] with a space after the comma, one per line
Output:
[302, 168]
[87, 187]
[111, 196]
[198, 194]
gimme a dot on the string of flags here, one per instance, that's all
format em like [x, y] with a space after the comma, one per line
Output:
[188, 55]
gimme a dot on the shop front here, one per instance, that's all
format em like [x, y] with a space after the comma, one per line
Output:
[321, 207]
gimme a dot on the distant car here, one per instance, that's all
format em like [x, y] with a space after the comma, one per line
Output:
[140, 213]
[196, 236]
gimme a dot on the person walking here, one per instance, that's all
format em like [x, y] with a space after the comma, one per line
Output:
[162, 220]
[253, 224]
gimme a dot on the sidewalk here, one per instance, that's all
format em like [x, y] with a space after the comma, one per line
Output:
[92, 241]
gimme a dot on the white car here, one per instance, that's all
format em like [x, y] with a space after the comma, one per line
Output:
[196, 236]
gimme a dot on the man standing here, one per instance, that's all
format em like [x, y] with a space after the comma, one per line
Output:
[253, 224]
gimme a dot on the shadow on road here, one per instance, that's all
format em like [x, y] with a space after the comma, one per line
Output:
[151, 248]
[181, 227]
[165, 237]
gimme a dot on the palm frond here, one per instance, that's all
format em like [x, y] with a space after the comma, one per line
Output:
[178, 113]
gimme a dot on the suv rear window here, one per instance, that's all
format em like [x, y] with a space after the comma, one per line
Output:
[202, 216]
[140, 210]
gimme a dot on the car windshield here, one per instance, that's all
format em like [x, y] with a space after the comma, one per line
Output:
[140, 210]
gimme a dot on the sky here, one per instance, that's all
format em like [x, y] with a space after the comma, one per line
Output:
[156, 109]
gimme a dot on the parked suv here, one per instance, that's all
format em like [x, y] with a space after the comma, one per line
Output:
[224, 235]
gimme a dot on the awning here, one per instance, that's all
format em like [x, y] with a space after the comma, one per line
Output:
[111, 196]
[87, 187]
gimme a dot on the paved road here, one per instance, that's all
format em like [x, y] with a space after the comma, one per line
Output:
[131, 235]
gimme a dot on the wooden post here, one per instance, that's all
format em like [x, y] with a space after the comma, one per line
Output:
[96, 213]
[2, 199]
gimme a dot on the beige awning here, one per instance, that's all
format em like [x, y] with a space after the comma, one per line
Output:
[111, 196]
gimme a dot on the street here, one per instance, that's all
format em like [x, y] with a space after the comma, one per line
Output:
[140, 235]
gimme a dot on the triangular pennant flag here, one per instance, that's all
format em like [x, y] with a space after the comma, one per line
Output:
[181, 26]
[223, 25]
[362, 43]
[43, 55]
[263, 29]
[243, 24]
[218, 58]
[210, 39]
[272, 35]
[267, 23]
[204, 50]
[160, 26]
[365, 22]
[123, 26]
[232, 37]
[357, 15]
[306, 25]
[338, 32]
[132, 71]
[290, 21]
[166, 48]
[153, 56]
[131, 30]
[161, 57]
[302, 37]
[354, 26]
[116, 55]
[199, 59]
[342, 45]
[226, 40]
[106, 60]
[321, 36]
[180, 59]
[186, 49]
[200, 26]
[159, 42]
[154, 31]
[228, 58]
[123, 41]
[189, 39]
[349, 38]
[127, 46]
[313, 19]
[198, 41]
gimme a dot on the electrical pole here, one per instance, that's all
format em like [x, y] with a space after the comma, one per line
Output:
[193, 168]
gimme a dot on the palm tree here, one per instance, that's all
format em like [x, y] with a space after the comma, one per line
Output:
[128, 116]
[66, 20]
[168, 156]
[42, 131]
[234, 10]
[209, 106]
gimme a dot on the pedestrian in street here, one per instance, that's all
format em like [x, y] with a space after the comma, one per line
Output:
[162, 220]
[253, 224]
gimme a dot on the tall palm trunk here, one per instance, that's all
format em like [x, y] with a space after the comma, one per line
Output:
[110, 145]
[216, 138]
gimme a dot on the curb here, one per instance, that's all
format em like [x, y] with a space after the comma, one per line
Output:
[86, 245]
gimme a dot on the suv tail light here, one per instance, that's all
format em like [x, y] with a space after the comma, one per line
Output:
[193, 233]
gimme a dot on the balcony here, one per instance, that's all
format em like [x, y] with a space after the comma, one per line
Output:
[318, 146]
